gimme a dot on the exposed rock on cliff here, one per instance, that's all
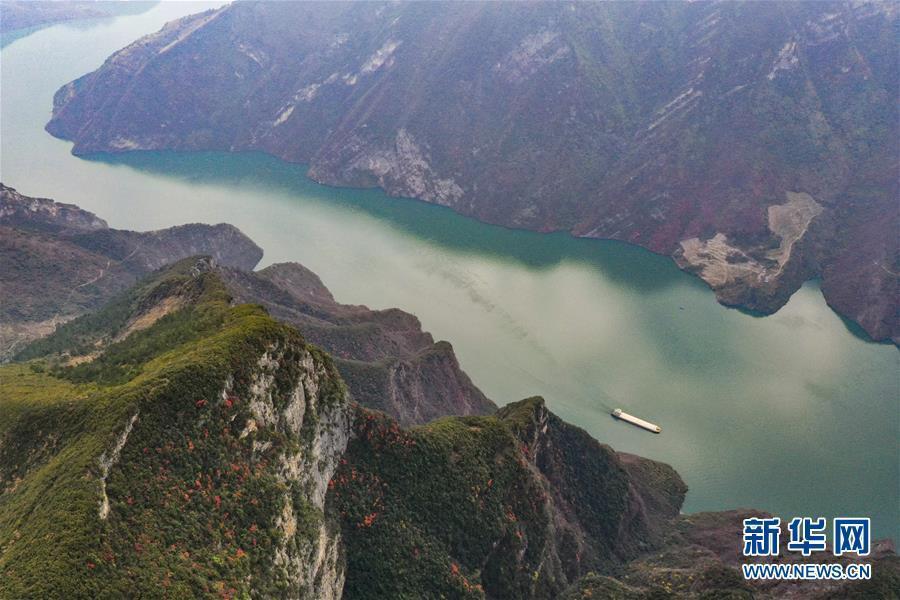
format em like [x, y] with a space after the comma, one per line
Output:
[676, 126]
[206, 440]
[388, 362]
[755, 277]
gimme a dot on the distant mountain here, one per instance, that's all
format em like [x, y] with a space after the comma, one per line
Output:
[21, 14]
[179, 444]
[59, 261]
[755, 142]
[24, 14]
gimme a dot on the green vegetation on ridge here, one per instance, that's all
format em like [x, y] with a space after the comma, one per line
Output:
[448, 507]
[192, 507]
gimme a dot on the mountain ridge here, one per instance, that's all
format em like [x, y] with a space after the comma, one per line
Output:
[677, 127]
[189, 458]
[61, 261]
[182, 441]
[389, 362]
[214, 453]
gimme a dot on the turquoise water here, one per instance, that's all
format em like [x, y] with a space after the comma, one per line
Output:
[792, 413]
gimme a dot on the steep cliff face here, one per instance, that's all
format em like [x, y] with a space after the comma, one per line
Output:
[59, 261]
[523, 505]
[689, 128]
[189, 458]
[516, 505]
[386, 359]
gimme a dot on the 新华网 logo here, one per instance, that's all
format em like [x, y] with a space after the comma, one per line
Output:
[806, 536]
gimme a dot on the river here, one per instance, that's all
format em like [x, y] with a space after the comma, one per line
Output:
[794, 413]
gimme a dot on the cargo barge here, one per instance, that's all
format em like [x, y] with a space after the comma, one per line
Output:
[624, 416]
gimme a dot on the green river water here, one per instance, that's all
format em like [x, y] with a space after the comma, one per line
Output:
[794, 413]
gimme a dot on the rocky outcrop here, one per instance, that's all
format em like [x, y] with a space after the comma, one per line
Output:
[108, 460]
[309, 562]
[759, 277]
[388, 362]
[59, 261]
[677, 125]
[402, 169]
